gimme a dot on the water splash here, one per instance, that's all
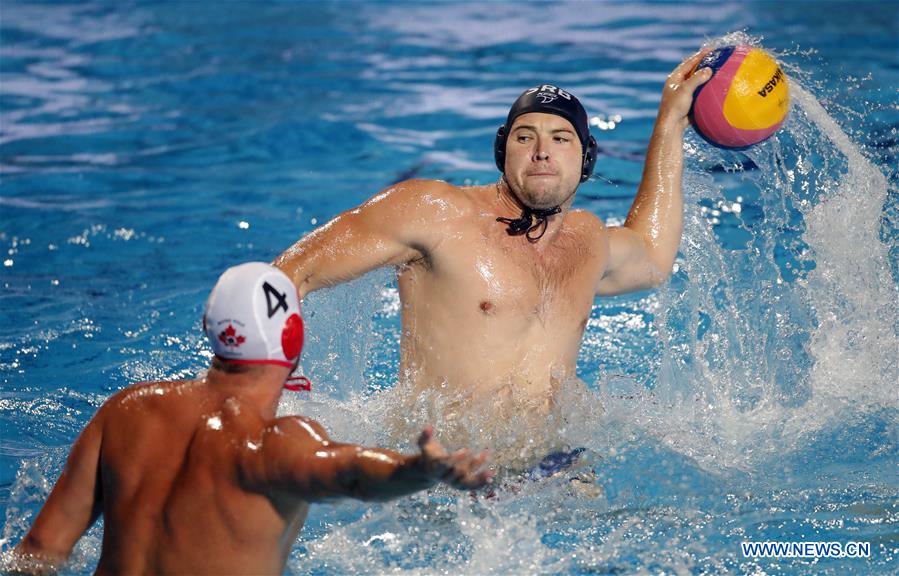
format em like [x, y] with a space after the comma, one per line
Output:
[793, 329]
[31, 486]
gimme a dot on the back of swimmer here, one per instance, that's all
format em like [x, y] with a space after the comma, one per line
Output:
[199, 476]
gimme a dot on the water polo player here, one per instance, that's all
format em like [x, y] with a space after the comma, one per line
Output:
[198, 476]
[497, 282]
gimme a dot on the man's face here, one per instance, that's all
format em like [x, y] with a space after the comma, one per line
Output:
[543, 159]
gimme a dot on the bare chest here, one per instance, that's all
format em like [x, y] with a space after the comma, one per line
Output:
[489, 273]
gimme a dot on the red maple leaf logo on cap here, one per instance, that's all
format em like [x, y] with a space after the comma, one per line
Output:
[231, 338]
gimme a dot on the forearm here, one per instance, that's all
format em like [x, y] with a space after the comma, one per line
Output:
[657, 212]
[305, 258]
[342, 250]
[377, 474]
[319, 468]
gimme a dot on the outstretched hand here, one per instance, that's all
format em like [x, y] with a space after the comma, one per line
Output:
[462, 469]
[677, 96]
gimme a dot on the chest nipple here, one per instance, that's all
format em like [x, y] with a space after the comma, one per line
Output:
[487, 307]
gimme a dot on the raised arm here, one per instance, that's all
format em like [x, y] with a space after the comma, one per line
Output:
[72, 507]
[396, 226]
[642, 251]
[302, 460]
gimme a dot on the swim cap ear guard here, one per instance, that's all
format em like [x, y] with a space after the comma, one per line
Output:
[253, 316]
[549, 99]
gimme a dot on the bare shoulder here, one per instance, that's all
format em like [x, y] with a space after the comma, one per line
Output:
[147, 399]
[586, 223]
[131, 394]
[436, 198]
[146, 390]
[423, 186]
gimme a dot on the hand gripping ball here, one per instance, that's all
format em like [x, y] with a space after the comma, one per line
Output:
[745, 101]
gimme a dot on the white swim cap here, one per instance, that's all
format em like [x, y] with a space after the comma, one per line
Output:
[253, 316]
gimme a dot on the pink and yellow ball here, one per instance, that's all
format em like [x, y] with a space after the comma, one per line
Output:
[745, 101]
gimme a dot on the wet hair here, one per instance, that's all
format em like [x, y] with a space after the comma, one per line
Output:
[231, 367]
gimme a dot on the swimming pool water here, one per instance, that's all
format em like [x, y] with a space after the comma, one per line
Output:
[146, 146]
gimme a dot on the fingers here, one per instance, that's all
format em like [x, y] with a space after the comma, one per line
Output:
[461, 469]
[465, 471]
[426, 435]
[684, 69]
[682, 84]
[481, 476]
[481, 459]
[701, 77]
[694, 59]
[475, 480]
[433, 453]
[452, 464]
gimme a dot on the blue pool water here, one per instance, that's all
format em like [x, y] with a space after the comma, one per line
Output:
[146, 146]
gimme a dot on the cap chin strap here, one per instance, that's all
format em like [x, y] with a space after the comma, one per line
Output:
[530, 221]
[297, 383]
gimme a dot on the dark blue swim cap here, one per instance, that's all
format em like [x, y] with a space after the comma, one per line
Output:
[549, 99]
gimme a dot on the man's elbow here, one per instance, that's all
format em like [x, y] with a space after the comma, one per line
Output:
[653, 262]
[660, 278]
[301, 280]
[659, 273]
[304, 286]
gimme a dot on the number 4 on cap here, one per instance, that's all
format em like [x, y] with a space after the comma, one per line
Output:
[271, 292]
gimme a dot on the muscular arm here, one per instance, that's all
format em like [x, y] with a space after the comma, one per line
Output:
[301, 459]
[72, 507]
[642, 252]
[394, 227]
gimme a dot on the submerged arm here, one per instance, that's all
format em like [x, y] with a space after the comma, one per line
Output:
[642, 252]
[73, 506]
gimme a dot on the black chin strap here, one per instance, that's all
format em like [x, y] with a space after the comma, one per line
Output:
[530, 220]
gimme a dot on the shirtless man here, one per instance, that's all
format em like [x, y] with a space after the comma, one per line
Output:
[497, 282]
[199, 477]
